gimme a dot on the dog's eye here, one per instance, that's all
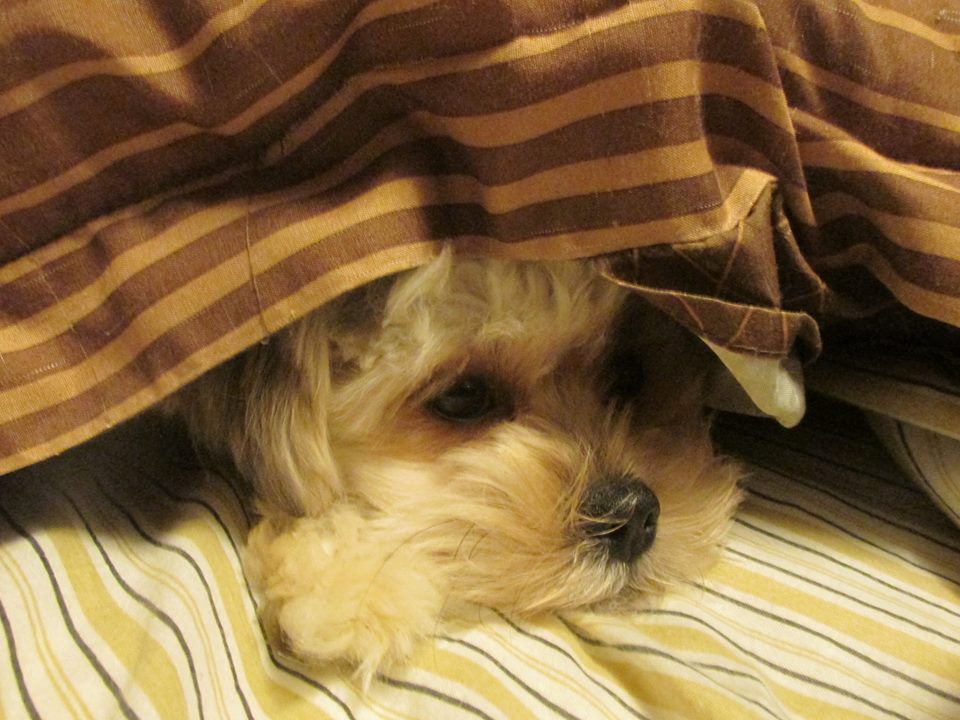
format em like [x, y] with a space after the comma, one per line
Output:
[470, 399]
[626, 376]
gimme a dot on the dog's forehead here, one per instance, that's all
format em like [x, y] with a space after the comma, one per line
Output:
[563, 296]
[533, 309]
[455, 312]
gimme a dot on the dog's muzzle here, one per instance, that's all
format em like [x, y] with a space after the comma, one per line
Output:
[621, 513]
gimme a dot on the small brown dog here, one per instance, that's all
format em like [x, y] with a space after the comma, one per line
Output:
[521, 435]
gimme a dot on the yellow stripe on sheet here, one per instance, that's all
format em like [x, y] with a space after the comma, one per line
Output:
[151, 566]
[60, 696]
[845, 582]
[853, 593]
[816, 640]
[455, 669]
[682, 674]
[541, 655]
[862, 544]
[693, 634]
[876, 638]
[258, 686]
[528, 658]
[202, 539]
[95, 602]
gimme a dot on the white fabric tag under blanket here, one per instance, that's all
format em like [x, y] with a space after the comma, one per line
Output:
[755, 385]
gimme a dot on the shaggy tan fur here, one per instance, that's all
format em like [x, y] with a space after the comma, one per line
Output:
[382, 516]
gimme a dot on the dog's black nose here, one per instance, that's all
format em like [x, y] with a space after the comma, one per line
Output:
[621, 512]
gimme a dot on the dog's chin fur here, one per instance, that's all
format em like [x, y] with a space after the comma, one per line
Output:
[380, 517]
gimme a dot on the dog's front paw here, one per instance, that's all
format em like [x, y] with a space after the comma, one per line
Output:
[333, 590]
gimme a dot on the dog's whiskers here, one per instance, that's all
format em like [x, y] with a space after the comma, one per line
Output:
[390, 555]
[476, 545]
[463, 539]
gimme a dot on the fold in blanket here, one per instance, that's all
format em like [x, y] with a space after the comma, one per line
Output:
[176, 182]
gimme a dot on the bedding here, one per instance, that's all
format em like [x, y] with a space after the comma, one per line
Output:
[782, 177]
[178, 181]
[838, 596]
[912, 399]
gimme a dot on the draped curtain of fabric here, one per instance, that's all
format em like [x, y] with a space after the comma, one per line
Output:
[179, 180]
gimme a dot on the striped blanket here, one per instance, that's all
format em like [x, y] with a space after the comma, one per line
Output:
[179, 180]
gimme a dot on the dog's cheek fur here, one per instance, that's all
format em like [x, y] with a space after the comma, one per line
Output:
[698, 493]
[497, 515]
[500, 514]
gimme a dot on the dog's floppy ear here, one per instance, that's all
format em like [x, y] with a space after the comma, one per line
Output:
[286, 419]
[266, 411]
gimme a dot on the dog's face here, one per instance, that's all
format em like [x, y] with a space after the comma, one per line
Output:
[532, 424]
[529, 431]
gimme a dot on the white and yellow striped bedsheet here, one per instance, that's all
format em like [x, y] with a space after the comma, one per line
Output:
[838, 596]
[913, 403]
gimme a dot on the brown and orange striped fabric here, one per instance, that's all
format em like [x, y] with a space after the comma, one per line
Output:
[178, 180]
